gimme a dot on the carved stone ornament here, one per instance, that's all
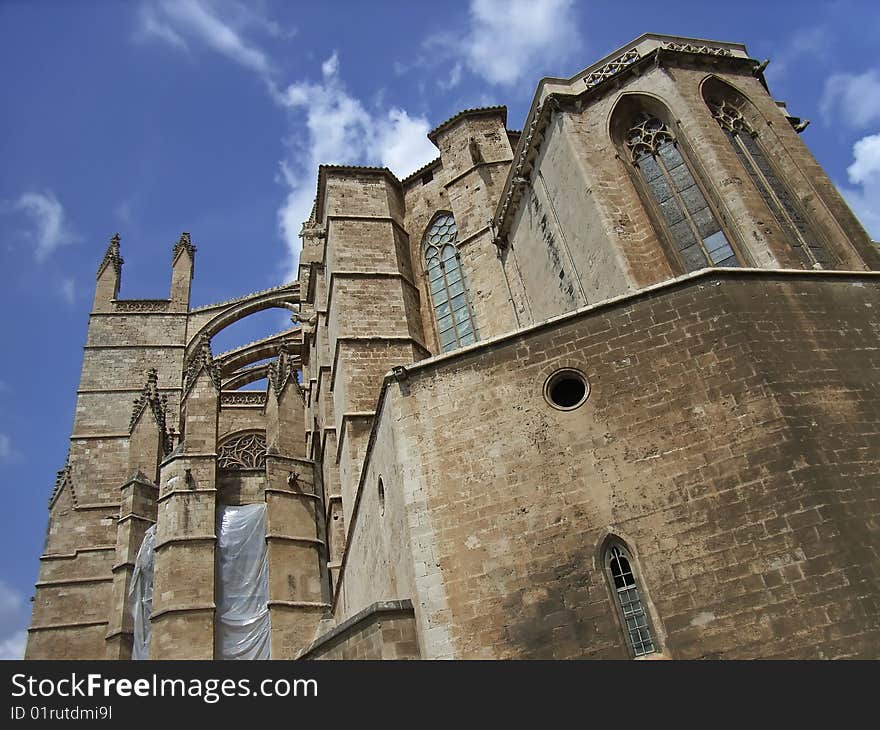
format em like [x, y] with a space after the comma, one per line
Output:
[692, 48]
[282, 371]
[243, 398]
[112, 257]
[245, 451]
[728, 116]
[203, 358]
[158, 404]
[142, 305]
[183, 244]
[647, 135]
[62, 478]
[612, 68]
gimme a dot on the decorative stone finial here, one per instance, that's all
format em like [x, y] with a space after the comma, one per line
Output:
[62, 478]
[184, 243]
[112, 256]
[203, 358]
[282, 371]
[157, 403]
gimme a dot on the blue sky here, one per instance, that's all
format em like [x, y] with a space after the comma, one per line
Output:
[153, 117]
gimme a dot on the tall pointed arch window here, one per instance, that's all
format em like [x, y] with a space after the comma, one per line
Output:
[695, 232]
[618, 564]
[811, 251]
[450, 298]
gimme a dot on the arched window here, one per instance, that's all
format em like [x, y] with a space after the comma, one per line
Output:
[449, 295]
[810, 249]
[696, 234]
[618, 564]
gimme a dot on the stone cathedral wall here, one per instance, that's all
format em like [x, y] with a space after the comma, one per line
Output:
[730, 439]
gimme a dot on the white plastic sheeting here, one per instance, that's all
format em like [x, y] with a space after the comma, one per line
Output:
[140, 595]
[242, 628]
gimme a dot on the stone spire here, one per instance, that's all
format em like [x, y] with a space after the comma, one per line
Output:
[184, 243]
[202, 359]
[282, 371]
[112, 257]
[157, 403]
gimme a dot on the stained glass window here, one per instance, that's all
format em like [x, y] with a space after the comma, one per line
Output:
[449, 294]
[811, 251]
[697, 235]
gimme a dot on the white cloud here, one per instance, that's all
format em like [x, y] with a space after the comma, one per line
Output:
[13, 645]
[47, 215]
[7, 453]
[866, 166]
[811, 43]
[151, 26]
[864, 176]
[402, 142]
[13, 622]
[68, 290]
[453, 80]
[178, 21]
[853, 99]
[509, 38]
[341, 131]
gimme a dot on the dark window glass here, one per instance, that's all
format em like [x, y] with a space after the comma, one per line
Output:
[693, 228]
[629, 600]
[811, 250]
[449, 295]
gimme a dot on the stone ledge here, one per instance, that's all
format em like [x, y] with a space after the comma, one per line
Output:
[72, 625]
[68, 556]
[133, 516]
[280, 537]
[312, 605]
[112, 435]
[381, 609]
[73, 581]
[195, 608]
[137, 346]
[477, 166]
[175, 492]
[188, 538]
[291, 493]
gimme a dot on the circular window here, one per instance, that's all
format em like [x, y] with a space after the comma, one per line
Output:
[566, 389]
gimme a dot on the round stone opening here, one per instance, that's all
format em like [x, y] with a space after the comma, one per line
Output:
[566, 389]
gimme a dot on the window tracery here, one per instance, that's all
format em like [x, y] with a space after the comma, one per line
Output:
[245, 451]
[450, 297]
[695, 232]
[811, 251]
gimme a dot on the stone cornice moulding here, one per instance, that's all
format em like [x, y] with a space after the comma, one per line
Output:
[555, 93]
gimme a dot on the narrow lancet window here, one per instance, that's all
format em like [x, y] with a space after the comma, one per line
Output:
[629, 601]
[453, 312]
[695, 232]
[810, 250]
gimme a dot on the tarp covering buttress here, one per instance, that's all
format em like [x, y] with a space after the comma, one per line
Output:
[242, 625]
[140, 595]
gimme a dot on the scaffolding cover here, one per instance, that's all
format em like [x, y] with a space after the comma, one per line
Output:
[140, 595]
[243, 583]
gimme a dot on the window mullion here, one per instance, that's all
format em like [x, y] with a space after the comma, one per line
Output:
[449, 302]
[467, 302]
[681, 204]
[783, 213]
